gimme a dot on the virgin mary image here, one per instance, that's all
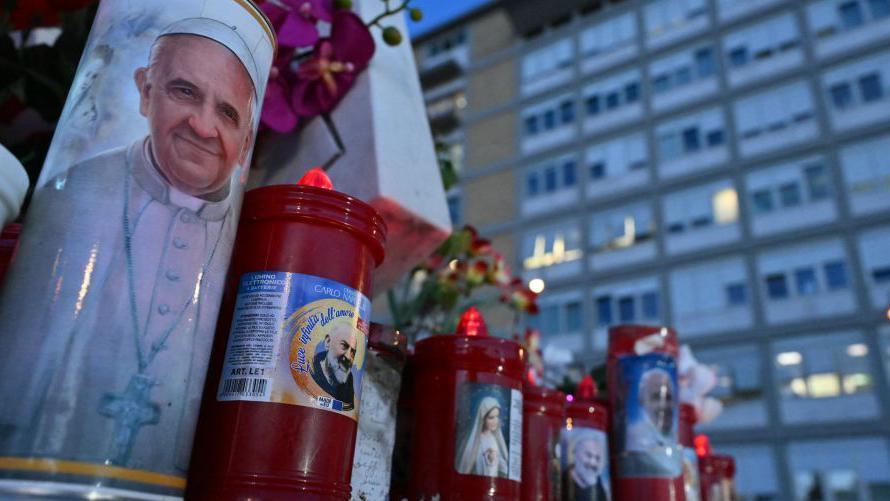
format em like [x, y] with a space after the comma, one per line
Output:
[485, 451]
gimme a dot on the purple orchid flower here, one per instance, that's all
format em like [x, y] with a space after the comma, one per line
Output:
[330, 72]
[294, 20]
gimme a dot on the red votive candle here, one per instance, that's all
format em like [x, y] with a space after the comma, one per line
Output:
[584, 447]
[643, 392]
[691, 483]
[717, 477]
[282, 396]
[543, 416]
[467, 441]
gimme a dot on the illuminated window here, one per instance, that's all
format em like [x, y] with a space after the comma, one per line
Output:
[551, 247]
[823, 366]
[726, 206]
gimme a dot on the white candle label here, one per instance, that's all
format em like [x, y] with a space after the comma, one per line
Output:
[296, 339]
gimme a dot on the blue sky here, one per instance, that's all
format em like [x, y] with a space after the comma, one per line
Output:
[437, 12]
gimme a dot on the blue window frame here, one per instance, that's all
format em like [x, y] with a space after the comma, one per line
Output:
[676, 228]
[531, 125]
[626, 309]
[567, 112]
[569, 178]
[550, 179]
[736, 294]
[604, 311]
[613, 99]
[851, 14]
[805, 281]
[592, 103]
[836, 275]
[776, 286]
[650, 305]
[598, 170]
[533, 184]
[870, 87]
[841, 95]
[738, 57]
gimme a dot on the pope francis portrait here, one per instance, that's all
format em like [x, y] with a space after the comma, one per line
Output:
[128, 282]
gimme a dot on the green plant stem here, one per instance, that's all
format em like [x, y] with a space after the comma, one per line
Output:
[387, 13]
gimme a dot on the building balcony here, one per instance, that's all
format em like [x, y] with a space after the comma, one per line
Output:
[704, 322]
[860, 116]
[829, 41]
[613, 118]
[761, 69]
[695, 162]
[684, 95]
[780, 135]
[624, 256]
[800, 308]
[613, 185]
[442, 67]
[732, 10]
[701, 238]
[542, 204]
[811, 214]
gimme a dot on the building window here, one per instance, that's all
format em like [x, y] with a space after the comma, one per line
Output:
[738, 57]
[823, 367]
[567, 112]
[568, 174]
[454, 206]
[550, 179]
[851, 14]
[881, 275]
[870, 87]
[716, 138]
[531, 125]
[598, 170]
[532, 184]
[604, 311]
[776, 287]
[836, 275]
[574, 320]
[549, 120]
[789, 194]
[817, 181]
[704, 62]
[805, 278]
[612, 100]
[736, 294]
[593, 105]
[879, 8]
[650, 305]
[632, 92]
[661, 83]
[841, 95]
[626, 309]
[691, 140]
[864, 475]
[762, 201]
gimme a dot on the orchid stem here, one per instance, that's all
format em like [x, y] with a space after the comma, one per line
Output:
[387, 12]
[341, 148]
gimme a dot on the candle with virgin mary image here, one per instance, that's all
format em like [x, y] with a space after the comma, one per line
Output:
[112, 300]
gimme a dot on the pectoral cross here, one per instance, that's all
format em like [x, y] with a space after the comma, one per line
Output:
[131, 410]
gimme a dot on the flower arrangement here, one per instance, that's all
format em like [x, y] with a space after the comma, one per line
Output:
[464, 271]
[312, 73]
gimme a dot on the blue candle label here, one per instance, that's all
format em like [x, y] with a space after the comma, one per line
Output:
[647, 417]
[296, 339]
[585, 464]
[489, 431]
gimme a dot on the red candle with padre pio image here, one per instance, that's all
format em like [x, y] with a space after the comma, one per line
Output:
[544, 412]
[283, 391]
[643, 393]
[584, 447]
[467, 441]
